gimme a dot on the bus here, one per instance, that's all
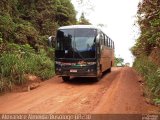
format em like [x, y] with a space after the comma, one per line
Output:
[82, 51]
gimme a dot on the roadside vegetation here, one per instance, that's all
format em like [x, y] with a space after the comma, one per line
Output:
[147, 47]
[25, 26]
[19, 60]
[119, 62]
[151, 74]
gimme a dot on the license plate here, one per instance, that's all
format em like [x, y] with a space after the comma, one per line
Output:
[73, 71]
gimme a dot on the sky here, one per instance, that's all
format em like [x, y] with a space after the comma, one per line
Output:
[118, 18]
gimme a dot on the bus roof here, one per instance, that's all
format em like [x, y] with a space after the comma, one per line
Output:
[78, 26]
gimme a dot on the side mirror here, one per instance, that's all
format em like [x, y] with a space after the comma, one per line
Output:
[51, 41]
[97, 39]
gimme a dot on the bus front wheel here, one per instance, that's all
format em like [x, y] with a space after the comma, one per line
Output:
[65, 78]
[96, 79]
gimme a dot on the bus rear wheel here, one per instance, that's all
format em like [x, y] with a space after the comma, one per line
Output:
[65, 78]
[109, 70]
[96, 79]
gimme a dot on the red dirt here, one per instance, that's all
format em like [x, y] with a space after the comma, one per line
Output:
[117, 92]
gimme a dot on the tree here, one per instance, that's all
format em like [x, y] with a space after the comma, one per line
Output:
[32, 21]
[149, 22]
[65, 14]
[147, 47]
[118, 61]
[83, 20]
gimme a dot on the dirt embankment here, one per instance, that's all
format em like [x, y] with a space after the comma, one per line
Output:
[117, 92]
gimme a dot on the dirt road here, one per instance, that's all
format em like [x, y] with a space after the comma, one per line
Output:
[117, 92]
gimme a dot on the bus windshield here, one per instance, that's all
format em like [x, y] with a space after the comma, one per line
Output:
[76, 43]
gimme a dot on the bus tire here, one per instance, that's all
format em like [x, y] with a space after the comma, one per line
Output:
[109, 70]
[96, 79]
[65, 78]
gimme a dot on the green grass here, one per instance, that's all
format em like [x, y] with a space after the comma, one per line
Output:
[19, 60]
[151, 73]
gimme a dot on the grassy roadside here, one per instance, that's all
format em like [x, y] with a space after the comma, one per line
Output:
[18, 60]
[151, 74]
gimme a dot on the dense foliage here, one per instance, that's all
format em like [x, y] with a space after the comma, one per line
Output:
[149, 22]
[147, 47]
[151, 74]
[29, 21]
[25, 26]
[118, 61]
[20, 60]
[83, 20]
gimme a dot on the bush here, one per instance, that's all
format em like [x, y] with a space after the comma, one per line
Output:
[19, 60]
[151, 73]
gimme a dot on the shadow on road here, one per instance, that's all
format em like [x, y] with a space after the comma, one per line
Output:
[81, 81]
[86, 80]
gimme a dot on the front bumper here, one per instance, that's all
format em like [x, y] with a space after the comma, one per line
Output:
[77, 71]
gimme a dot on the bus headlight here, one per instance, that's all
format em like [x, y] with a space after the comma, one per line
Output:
[58, 69]
[58, 63]
[91, 63]
[92, 70]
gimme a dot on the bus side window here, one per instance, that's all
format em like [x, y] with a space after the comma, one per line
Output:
[107, 42]
[111, 43]
[102, 38]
